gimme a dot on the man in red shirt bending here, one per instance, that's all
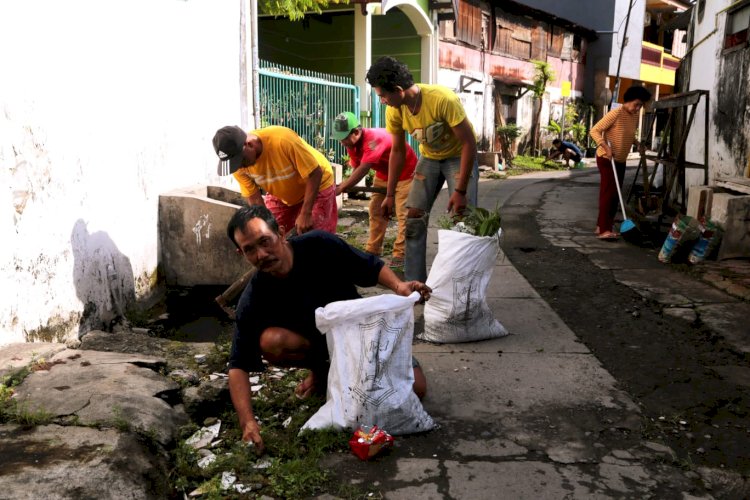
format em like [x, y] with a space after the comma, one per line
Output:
[370, 148]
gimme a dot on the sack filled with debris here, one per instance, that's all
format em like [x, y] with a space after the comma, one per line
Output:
[371, 376]
[457, 310]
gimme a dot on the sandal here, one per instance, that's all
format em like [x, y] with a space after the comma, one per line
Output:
[608, 236]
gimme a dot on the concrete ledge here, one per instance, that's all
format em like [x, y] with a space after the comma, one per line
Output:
[736, 240]
[194, 248]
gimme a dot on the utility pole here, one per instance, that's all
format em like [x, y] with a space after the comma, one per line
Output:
[616, 92]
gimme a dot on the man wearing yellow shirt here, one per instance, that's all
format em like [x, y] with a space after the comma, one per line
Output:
[434, 116]
[297, 179]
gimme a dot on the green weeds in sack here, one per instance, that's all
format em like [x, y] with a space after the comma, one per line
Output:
[478, 222]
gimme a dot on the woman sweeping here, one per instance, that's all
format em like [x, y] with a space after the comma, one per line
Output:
[614, 135]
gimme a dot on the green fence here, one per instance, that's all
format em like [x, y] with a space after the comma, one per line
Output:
[306, 102]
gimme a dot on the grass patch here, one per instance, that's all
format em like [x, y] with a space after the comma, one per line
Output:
[14, 411]
[525, 164]
[355, 235]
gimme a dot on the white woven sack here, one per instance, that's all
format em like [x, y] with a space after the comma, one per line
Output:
[371, 375]
[457, 310]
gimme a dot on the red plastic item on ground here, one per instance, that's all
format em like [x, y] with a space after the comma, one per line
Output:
[369, 441]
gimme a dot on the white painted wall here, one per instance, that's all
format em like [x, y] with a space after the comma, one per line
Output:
[473, 98]
[707, 49]
[707, 46]
[103, 105]
[630, 45]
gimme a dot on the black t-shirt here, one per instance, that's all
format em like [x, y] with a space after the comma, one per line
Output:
[325, 269]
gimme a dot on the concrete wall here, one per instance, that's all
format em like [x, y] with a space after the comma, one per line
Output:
[457, 60]
[194, 249]
[727, 77]
[103, 106]
[474, 98]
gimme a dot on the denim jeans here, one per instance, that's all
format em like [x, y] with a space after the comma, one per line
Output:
[429, 177]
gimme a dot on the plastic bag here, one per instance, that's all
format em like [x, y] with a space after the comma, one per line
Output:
[371, 376]
[684, 229]
[457, 310]
[368, 442]
[709, 240]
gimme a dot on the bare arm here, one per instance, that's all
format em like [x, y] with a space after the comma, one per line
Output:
[599, 130]
[357, 175]
[395, 167]
[388, 279]
[465, 134]
[255, 199]
[239, 390]
[304, 219]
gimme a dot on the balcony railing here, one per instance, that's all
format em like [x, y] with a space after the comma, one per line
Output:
[656, 65]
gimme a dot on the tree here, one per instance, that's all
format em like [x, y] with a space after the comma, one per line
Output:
[507, 135]
[294, 9]
[543, 73]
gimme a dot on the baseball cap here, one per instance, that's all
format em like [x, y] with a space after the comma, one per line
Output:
[228, 143]
[343, 125]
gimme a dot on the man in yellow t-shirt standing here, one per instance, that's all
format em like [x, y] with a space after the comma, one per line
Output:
[435, 117]
[297, 179]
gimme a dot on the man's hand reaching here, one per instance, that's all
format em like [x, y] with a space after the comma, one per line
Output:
[251, 434]
[405, 288]
[388, 207]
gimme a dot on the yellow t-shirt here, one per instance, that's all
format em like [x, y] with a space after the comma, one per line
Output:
[431, 126]
[283, 167]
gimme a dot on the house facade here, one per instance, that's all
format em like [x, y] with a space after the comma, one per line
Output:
[634, 42]
[486, 55]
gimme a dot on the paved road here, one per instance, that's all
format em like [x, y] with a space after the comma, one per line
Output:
[534, 414]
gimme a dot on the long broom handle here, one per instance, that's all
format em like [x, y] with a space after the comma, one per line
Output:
[617, 182]
[619, 194]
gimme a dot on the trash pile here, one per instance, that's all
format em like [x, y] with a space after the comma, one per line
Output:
[213, 462]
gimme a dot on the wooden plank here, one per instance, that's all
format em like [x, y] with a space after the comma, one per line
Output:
[363, 189]
[671, 162]
[678, 100]
[739, 184]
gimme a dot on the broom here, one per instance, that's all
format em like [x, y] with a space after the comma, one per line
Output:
[627, 224]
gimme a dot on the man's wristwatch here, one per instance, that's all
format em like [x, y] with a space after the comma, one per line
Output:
[460, 191]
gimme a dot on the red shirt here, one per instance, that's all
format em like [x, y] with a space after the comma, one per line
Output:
[374, 147]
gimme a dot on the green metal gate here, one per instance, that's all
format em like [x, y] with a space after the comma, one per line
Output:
[306, 102]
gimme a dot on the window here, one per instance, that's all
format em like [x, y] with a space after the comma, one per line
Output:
[513, 35]
[738, 21]
[555, 41]
[469, 23]
[447, 30]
